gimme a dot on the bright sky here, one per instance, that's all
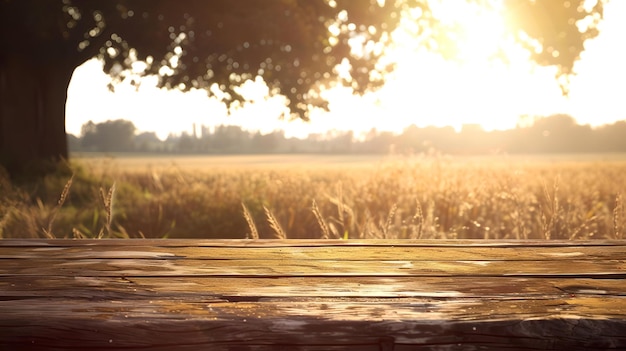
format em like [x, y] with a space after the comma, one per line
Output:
[424, 90]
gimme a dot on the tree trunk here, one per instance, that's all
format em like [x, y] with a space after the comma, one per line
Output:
[33, 92]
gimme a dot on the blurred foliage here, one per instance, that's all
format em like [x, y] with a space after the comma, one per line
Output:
[109, 136]
[555, 31]
[294, 45]
[553, 134]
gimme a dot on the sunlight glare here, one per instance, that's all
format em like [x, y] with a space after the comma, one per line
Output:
[470, 88]
[253, 90]
[424, 90]
[480, 29]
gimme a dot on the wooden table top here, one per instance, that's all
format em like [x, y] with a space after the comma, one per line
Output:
[312, 294]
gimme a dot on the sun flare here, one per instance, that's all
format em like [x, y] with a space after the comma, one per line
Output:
[478, 31]
[426, 90]
[471, 86]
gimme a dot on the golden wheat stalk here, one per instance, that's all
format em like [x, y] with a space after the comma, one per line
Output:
[390, 217]
[333, 229]
[78, 234]
[320, 221]
[418, 219]
[279, 233]
[66, 190]
[579, 229]
[48, 233]
[345, 214]
[254, 233]
[107, 201]
[121, 231]
[551, 226]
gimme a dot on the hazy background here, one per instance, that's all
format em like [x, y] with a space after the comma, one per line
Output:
[424, 90]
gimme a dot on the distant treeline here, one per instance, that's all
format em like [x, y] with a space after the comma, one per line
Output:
[554, 134]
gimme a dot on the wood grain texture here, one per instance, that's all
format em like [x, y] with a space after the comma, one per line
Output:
[312, 295]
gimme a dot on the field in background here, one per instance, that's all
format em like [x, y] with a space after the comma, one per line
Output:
[142, 163]
[333, 196]
[159, 162]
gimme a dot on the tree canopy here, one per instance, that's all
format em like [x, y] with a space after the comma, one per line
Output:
[294, 45]
[198, 44]
[109, 136]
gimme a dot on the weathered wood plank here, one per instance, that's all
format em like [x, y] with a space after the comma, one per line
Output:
[252, 288]
[371, 253]
[305, 243]
[312, 295]
[576, 324]
[303, 268]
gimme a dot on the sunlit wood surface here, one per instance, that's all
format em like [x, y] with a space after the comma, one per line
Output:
[312, 295]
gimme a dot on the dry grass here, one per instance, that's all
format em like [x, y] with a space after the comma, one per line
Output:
[320, 221]
[48, 233]
[277, 229]
[418, 197]
[254, 233]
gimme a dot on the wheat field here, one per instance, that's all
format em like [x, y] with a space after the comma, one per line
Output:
[427, 196]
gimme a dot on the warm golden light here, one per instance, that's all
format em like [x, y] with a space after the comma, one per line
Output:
[478, 30]
[424, 90]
